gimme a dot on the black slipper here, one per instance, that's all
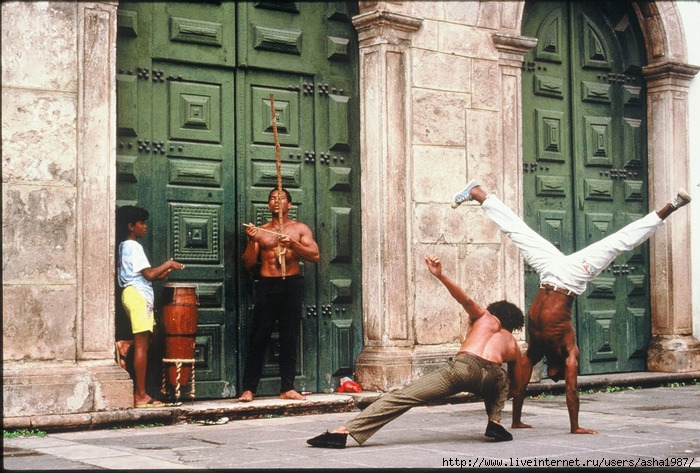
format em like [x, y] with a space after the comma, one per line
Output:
[328, 440]
[497, 432]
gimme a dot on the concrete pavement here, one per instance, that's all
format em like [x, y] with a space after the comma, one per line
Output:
[653, 426]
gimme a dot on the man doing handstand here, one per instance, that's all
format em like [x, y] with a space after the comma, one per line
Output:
[476, 368]
[562, 278]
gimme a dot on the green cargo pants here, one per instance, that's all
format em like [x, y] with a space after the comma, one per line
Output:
[464, 373]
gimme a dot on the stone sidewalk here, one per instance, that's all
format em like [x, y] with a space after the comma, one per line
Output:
[273, 406]
[651, 427]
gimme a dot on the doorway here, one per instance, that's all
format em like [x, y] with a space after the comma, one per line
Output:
[195, 147]
[585, 165]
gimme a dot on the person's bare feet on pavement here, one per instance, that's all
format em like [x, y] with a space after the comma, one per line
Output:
[293, 395]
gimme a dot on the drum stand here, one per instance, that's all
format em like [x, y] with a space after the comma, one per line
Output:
[178, 366]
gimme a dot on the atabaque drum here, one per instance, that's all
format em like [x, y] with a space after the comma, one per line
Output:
[180, 328]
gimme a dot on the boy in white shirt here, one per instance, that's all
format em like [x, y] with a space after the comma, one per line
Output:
[135, 276]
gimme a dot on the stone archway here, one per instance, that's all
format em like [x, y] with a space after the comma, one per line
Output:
[391, 35]
[672, 347]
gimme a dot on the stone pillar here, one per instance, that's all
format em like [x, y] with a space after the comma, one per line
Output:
[511, 54]
[672, 347]
[384, 42]
[58, 206]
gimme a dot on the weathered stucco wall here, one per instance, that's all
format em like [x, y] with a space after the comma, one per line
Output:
[57, 211]
[441, 104]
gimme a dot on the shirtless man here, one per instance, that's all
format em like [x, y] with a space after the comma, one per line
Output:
[277, 298]
[476, 368]
[562, 278]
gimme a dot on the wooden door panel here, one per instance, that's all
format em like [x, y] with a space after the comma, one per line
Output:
[583, 94]
[198, 32]
[284, 38]
[337, 175]
[294, 113]
[602, 337]
[198, 152]
[133, 120]
[612, 185]
[193, 167]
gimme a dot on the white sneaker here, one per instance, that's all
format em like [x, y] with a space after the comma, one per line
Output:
[464, 195]
[681, 199]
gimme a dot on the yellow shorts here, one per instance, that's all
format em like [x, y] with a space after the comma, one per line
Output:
[140, 312]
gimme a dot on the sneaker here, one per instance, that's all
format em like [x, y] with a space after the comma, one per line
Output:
[681, 199]
[328, 440]
[497, 432]
[464, 195]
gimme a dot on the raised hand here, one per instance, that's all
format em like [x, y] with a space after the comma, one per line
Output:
[434, 265]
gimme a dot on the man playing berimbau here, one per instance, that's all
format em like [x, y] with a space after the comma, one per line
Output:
[279, 295]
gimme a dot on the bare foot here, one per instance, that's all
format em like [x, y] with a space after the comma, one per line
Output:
[583, 431]
[146, 401]
[123, 347]
[340, 430]
[520, 425]
[292, 394]
[247, 396]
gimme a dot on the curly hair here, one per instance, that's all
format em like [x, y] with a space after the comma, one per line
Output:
[509, 314]
[129, 214]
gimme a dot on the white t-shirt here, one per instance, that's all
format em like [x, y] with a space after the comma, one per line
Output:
[132, 260]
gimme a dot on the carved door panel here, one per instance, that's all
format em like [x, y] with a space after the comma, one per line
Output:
[587, 65]
[295, 125]
[177, 159]
[305, 54]
[196, 149]
[193, 159]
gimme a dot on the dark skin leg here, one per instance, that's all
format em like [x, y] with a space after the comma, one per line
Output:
[572, 399]
[665, 211]
[141, 343]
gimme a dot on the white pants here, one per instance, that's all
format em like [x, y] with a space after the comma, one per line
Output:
[570, 272]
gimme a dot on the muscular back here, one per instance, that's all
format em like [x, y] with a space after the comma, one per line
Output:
[487, 339]
[549, 317]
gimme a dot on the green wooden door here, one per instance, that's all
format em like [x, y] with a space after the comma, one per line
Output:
[585, 164]
[196, 149]
[176, 86]
[305, 54]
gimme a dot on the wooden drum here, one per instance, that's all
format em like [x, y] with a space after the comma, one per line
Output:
[180, 328]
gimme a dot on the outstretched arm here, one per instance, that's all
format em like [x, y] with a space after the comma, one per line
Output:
[162, 271]
[473, 308]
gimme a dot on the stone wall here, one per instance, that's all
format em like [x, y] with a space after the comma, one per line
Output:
[440, 104]
[58, 109]
[441, 100]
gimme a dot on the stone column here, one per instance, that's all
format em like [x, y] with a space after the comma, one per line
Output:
[384, 42]
[96, 200]
[58, 206]
[511, 54]
[672, 347]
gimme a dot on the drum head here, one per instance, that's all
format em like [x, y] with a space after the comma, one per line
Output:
[180, 284]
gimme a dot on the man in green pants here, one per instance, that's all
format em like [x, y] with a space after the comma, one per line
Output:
[476, 368]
